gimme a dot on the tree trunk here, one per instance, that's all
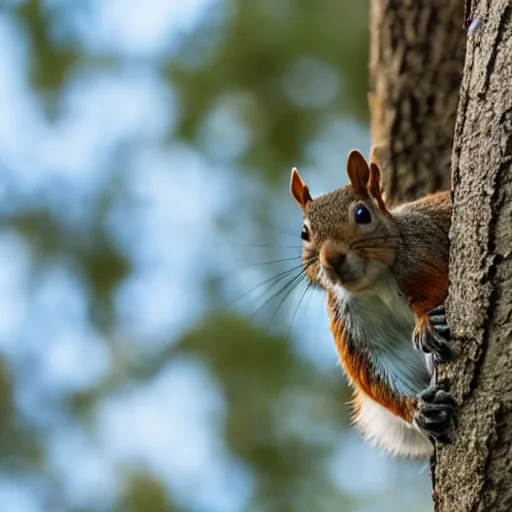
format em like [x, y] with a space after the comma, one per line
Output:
[416, 61]
[475, 472]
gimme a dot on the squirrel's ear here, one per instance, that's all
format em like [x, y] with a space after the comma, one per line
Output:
[374, 187]
[374, 154]
[299, 189]
[358, 172]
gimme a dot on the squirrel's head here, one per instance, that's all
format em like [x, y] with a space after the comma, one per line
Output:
[349, 237]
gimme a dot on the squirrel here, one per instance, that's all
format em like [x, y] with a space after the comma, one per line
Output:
[385, 273]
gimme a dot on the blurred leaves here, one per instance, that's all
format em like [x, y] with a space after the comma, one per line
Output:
[256, 82]
[143, 493]
[256, 45]
[49, 62]
[282, 420]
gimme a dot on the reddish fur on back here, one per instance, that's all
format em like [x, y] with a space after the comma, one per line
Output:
[428, 287]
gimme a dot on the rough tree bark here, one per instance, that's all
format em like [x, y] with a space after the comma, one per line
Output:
[416, 61]
[417, 51]
[475, 473]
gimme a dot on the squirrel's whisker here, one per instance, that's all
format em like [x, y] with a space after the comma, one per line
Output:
[308, 288]
[267, 246]
[373, 239]
[284, 287]
[278, 229]
[274, 261]
[291, 285]
[252, 265]
[382, 237]
[262, 264]
[275, 294]
[232, 273]
[270, 279]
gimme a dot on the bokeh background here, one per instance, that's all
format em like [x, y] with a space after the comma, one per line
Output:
[158, 350]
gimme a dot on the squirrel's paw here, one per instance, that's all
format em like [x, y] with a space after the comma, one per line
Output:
[432, 335]
[434, 413]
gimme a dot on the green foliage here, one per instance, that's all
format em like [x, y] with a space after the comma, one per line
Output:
[143, 493]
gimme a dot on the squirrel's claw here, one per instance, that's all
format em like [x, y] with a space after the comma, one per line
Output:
[435, 413]
[433, 334]
[435, 407]
[437, 317]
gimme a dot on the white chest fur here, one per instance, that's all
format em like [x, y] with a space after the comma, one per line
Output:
[381, 324]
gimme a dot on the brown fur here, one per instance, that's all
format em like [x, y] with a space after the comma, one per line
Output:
[331, 219]
[422, 270]
[411, 242]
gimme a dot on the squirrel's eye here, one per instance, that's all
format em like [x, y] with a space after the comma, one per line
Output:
[362, 215]
[305, 233]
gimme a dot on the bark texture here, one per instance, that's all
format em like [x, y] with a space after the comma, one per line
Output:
[416, 60]
[475, 472]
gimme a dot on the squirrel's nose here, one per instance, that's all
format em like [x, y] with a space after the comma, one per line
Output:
[331, 257]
